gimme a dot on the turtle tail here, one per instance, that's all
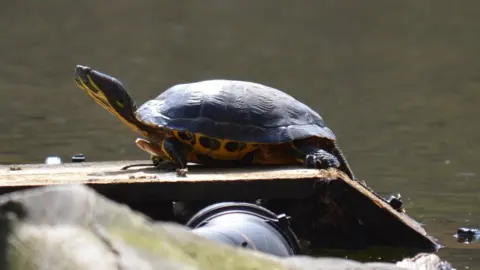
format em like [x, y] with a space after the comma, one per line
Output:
[344, 167]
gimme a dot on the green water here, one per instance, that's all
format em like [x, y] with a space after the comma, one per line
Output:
[397, 81]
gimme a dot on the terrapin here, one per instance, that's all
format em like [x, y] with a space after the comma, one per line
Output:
[218, 121]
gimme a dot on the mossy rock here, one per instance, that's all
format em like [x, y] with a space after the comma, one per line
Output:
[72, 227]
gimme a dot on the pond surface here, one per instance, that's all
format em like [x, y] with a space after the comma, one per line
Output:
[397, 81]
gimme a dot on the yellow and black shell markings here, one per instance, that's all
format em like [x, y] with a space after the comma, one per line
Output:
[214, 147]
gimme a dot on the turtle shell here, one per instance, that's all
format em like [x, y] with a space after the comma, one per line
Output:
[234, 110]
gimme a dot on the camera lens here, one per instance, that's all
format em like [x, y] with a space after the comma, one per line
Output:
[246, 225]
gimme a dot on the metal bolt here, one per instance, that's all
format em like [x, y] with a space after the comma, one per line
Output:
[283, 220]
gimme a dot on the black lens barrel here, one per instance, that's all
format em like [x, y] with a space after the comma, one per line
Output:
[246, 225]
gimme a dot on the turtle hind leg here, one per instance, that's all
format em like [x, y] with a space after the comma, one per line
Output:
[314, 157]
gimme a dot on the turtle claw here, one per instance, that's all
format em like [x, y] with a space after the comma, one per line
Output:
[165, 165]
[169, 166]
[181, 172]
[157, 162]
[135, 165]
[321, 160]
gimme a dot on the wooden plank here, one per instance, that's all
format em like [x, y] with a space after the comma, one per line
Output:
[376, 217]
[200, 182]
[109, 172]
[340, 211]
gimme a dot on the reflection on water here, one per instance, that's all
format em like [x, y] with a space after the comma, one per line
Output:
[397, 82]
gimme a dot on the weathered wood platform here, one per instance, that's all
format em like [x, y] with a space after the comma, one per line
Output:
[201, 183]
[327, 208]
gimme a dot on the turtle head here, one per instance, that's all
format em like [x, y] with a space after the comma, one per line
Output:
[109, 93]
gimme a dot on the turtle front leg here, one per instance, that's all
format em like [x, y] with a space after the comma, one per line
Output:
[169, 154]
[314, 157]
